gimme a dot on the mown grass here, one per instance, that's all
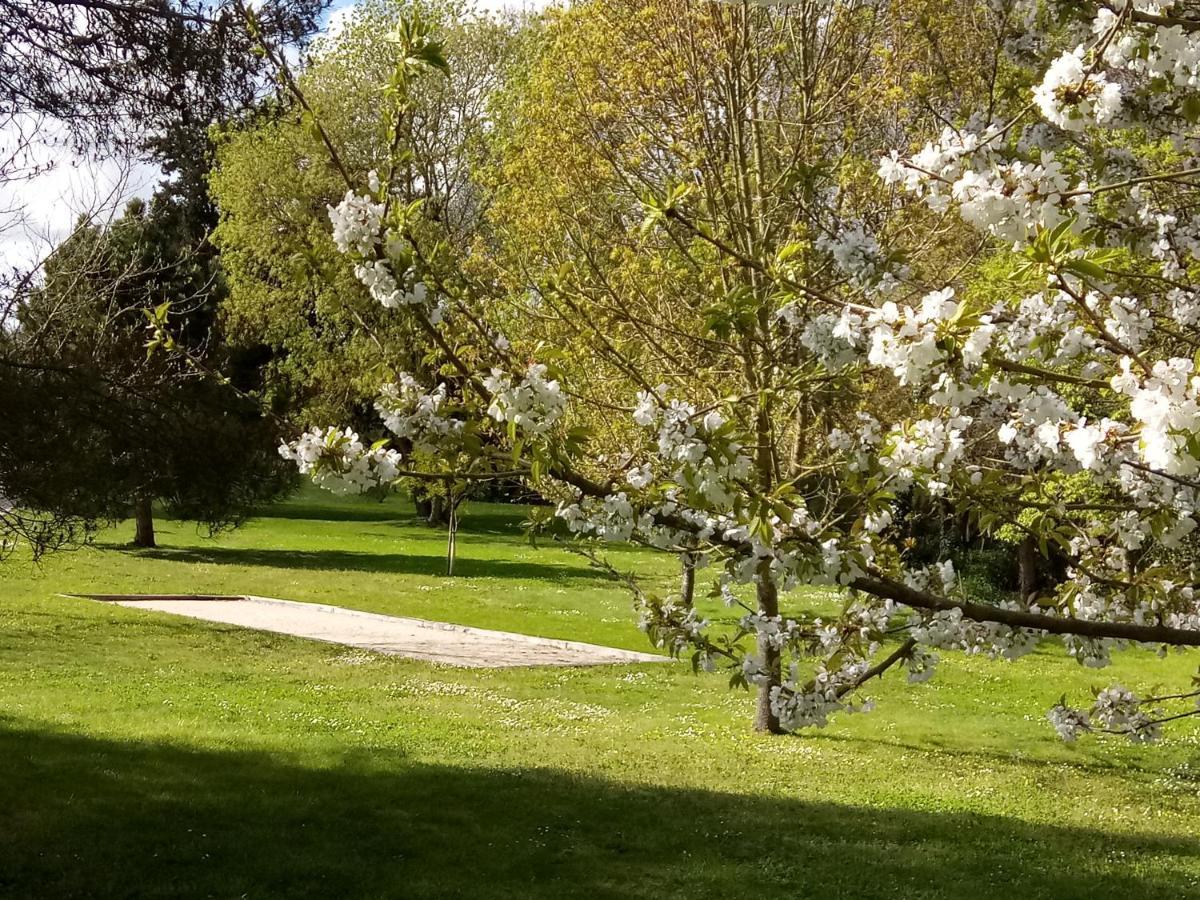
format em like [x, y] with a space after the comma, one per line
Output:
[149, 755]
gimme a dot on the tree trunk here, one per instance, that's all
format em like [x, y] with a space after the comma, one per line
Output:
[439, 511]
[1133, 562]
[767, 590]
[1029, 575]
[687, 587]
[451, 536]
[143, 516]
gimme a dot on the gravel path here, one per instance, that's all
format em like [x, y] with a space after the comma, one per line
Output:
[440, 642]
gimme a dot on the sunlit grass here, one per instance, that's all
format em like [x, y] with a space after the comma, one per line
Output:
[150, 755]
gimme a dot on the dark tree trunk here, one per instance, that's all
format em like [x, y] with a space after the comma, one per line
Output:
[439, 512]
[143, 516]
[1029, 568]
[765, 719]
[423, 505]
[687, 587]
[1133, 562]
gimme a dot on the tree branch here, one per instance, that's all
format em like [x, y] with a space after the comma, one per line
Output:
[1014, 618]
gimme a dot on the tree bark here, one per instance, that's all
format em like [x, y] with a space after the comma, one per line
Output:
[767, 590]
[1029, 575]
[439, 511]
[451, 535]
[878, 586]
[143, 516]
[687, 587]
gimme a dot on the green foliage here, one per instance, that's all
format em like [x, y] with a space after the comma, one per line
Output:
[634, 213]
[290, 290]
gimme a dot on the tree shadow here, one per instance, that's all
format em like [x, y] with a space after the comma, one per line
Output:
[477, 520]
[380, 563]
[85, 817]
[331, 513]
[946, 745]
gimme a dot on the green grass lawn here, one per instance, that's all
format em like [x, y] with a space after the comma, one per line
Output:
[149, 755]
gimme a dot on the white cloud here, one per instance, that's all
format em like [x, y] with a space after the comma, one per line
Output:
[53, 186]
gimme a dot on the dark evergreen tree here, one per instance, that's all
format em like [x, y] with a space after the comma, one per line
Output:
[101, 427]
[90, 424]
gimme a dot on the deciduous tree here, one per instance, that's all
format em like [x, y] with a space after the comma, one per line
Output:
[1079, 364]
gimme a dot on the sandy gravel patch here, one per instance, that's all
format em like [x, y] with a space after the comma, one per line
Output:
[441, 642]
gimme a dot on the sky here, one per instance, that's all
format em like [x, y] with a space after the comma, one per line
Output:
[37, 212]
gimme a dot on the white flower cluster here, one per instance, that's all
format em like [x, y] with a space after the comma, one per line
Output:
[1069, 723]
[1072, 97]
[358, 230]
[1166, 406]
[356, 224]
[810, 705]
[1116, 709]
[1033, 434]
[858, 254]
[1009, 199]
[928, 449]
[533, 405]
[376, 275]
[857, 447]
[902, 339]
[921, 665]
[338, 461]
[610, 519]
[950, 630]
[775, 631]
[1013, 200]
[1045, 328]
[409, 411]
[692, 451]
[1175, 241]
[834, 340]
[675, 627]
[905, 340]
[1165, 52]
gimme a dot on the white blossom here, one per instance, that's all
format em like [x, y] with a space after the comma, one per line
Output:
[1072, 97]
[534, 404]
[356, 223]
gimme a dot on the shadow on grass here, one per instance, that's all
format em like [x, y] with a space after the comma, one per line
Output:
[955, 754]
[382, 563]
[363, 512]
[485, 520]
[84, 817]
